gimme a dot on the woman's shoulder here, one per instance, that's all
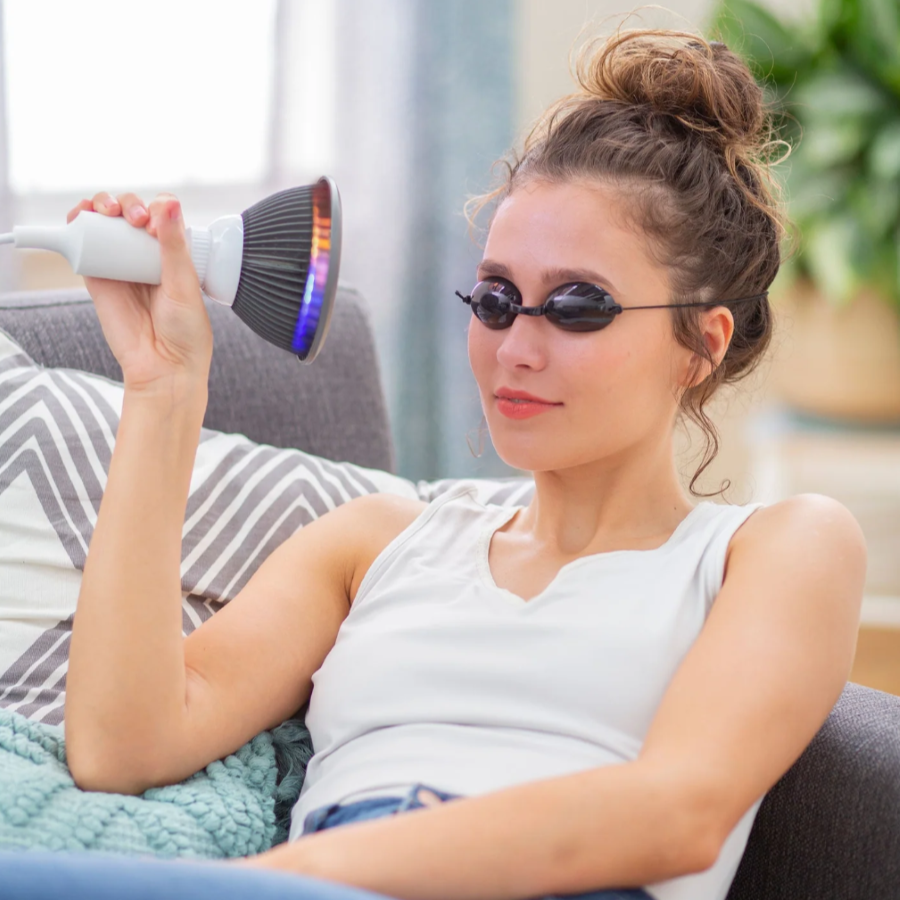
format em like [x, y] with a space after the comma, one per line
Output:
[375, 520]
[390, 511]
[365, 526]
[797, 519]
[809, 530]
[381, 514]
[380, 525]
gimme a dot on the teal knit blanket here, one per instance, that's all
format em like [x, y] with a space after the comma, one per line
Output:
[236, 806]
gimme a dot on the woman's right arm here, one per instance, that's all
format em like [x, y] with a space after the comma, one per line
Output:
[145, 706]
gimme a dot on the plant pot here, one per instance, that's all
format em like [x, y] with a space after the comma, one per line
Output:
[838, 362]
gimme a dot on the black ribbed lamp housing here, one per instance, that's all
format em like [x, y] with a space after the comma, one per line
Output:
[289, 268]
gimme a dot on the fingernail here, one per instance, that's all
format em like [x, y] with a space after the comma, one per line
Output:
[137, 211]
[175, 211]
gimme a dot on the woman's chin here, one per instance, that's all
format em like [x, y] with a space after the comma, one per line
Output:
[545, 452]
[530, 458]
[541, 445]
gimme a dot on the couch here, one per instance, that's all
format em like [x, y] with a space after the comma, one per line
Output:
[830, 828]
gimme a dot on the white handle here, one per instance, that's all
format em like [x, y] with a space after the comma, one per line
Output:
[110, 247]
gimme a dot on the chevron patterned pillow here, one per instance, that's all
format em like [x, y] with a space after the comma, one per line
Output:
[57, 432]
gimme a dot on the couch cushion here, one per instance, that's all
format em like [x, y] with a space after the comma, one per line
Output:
[332, 408]
[57, 433]
[830, 828]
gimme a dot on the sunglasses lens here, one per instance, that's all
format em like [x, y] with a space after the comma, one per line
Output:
[491, 302]
[580, 307]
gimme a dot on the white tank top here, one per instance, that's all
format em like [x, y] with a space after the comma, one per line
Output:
[439, 676]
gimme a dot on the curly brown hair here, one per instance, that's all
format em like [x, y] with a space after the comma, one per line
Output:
[679, 125]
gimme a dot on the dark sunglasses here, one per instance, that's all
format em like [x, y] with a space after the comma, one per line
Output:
[577, 306]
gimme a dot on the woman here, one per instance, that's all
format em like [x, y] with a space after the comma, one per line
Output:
[588, 695]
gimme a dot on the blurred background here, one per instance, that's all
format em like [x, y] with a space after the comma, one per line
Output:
[407, 103]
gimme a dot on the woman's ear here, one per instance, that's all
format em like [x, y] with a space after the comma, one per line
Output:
[716, 330]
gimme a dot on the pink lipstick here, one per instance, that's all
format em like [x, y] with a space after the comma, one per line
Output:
[521, 404]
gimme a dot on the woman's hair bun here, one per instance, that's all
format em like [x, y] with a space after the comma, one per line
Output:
[701, 83]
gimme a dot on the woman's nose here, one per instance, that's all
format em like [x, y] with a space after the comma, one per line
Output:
[524, 344]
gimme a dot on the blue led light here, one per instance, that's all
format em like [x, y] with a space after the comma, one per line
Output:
[305, 330]
[314, 290]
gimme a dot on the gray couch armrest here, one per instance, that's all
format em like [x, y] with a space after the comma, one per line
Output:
[830, 828]
[333, 408]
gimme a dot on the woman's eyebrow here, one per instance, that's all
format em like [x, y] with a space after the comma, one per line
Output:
[553, 276]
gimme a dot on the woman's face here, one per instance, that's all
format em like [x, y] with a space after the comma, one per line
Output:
[607, 393]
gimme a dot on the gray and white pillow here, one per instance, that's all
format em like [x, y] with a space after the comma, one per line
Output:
[57, 433]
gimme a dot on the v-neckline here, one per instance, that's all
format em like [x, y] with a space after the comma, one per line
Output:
[483, 553]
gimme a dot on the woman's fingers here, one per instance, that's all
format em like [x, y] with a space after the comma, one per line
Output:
[163, 220]
[105, 204]
[133, 209]
[128, 205]
[84, 204]
[158, 209]
[179, 277]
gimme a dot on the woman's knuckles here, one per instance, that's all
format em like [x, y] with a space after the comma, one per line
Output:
[159, 213]
[83, 205]
[133, 208]
[160, 204]
[104, 203]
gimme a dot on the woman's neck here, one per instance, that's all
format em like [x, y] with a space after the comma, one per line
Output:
[632, 502]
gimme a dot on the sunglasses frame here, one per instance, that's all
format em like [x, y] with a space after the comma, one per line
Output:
[610, 307]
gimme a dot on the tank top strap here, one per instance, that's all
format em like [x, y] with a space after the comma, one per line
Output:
[447, 531]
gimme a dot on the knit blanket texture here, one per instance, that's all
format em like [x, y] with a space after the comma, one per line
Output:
[236, 806]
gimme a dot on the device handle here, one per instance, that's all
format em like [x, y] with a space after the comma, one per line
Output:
[111, 247]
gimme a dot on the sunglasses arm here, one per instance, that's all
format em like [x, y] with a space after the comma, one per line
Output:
[709, 303]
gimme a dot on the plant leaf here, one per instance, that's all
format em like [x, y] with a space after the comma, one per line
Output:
[770, 47]
[829, 258]
[832, 143]
[876, 205]
[874, 35]
[884, 153]
[832, 18]
[812, 194]
[840, 92]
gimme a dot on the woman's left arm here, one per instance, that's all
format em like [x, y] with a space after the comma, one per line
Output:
[757, 684]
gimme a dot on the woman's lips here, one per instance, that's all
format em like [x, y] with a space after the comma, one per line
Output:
[521, 405]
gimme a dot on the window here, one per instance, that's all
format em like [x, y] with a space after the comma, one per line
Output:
[130, 94]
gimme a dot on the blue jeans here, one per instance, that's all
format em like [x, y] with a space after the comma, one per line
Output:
[329, 816]
[41, 875]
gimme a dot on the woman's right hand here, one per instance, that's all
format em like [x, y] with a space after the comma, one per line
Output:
[160, 334]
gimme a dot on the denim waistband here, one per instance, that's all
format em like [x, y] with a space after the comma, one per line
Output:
[375, 807]
[339, 814]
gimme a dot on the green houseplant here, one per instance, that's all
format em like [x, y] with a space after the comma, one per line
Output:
[834, 78]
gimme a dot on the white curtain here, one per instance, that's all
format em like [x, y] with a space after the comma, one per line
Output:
[424, 106]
